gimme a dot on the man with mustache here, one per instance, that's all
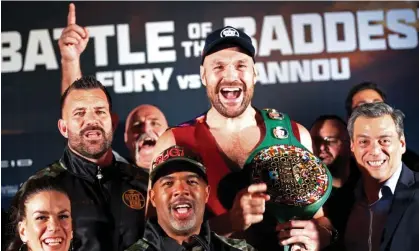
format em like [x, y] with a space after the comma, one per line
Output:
[144, 125]
[107, 196]
[179, 192]
[226, 136]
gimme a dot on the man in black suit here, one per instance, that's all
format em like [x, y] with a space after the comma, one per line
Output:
[383, 213]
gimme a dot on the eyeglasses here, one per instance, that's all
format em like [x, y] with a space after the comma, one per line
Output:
[329, 141]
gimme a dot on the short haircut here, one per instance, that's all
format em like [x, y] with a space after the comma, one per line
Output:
[325, 117]
[85, 83]
[358, 88]
[376, 110]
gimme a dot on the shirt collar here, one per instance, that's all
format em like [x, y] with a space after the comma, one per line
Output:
[392, 181]
[391, 184]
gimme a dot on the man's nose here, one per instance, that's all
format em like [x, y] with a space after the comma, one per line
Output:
[375, 148]
[91, 118]
[230, 73]
[181, 188]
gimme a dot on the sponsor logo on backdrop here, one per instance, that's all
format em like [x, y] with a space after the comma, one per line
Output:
[9, 190]
[16, 163]
[304, 47]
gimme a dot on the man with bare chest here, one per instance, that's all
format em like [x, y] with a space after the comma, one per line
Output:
[228, 134]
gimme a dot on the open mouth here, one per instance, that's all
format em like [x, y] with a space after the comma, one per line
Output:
[376, 163]
[231, 92]
[93, 134]
[182, 210]
[53, 242]
[147, 143]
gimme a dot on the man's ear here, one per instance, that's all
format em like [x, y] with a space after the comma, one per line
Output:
[152, 196]
[202, 73]
[62, 127]
[255, 74]
[115, 121]
[207, 193]
[403, 144]
[22, 231]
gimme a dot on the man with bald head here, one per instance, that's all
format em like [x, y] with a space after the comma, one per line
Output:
[144, 125]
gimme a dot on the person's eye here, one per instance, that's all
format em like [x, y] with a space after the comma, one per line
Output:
[64, 216]
[193, 181]
[41, 217]
[155, 123]
[168, 183]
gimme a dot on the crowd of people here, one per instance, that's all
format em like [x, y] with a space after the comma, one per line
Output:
[190, 187]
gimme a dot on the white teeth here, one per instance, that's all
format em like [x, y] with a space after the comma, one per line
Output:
[53, 241]
[376, 163]
[230, 89]
[182, 206]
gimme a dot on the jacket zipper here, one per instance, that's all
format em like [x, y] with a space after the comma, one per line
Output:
[370, 231]
[99, 177]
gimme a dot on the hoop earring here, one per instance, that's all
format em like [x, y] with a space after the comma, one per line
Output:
[21, 246]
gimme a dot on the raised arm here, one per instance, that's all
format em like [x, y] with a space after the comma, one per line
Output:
[72, 43]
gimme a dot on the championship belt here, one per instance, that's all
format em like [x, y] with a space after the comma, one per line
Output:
[297, 181]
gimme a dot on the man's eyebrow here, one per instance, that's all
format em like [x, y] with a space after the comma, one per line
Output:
[165, 178]
[362, 135]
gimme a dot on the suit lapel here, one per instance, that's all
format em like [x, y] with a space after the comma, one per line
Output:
[401, 200]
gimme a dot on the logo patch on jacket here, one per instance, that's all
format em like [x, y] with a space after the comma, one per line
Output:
[133, 199]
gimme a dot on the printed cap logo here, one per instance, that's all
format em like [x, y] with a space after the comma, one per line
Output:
[133, 199]
[229, 32]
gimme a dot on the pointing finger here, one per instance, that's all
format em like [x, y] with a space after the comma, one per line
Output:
[71, 18]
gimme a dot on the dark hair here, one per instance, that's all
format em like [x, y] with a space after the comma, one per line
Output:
[376, 110]
[358, 88]
[322, 118]
[85, 83]
[17, 212]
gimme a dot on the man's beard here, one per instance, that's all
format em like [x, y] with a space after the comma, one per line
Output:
[214, 99]
[93, 149]
[185, 227]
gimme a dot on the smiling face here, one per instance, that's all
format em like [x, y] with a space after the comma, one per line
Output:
[47, 224]
[377, 147]
[87, 122]
[229, 77]
[144, 126]
[180, 200]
